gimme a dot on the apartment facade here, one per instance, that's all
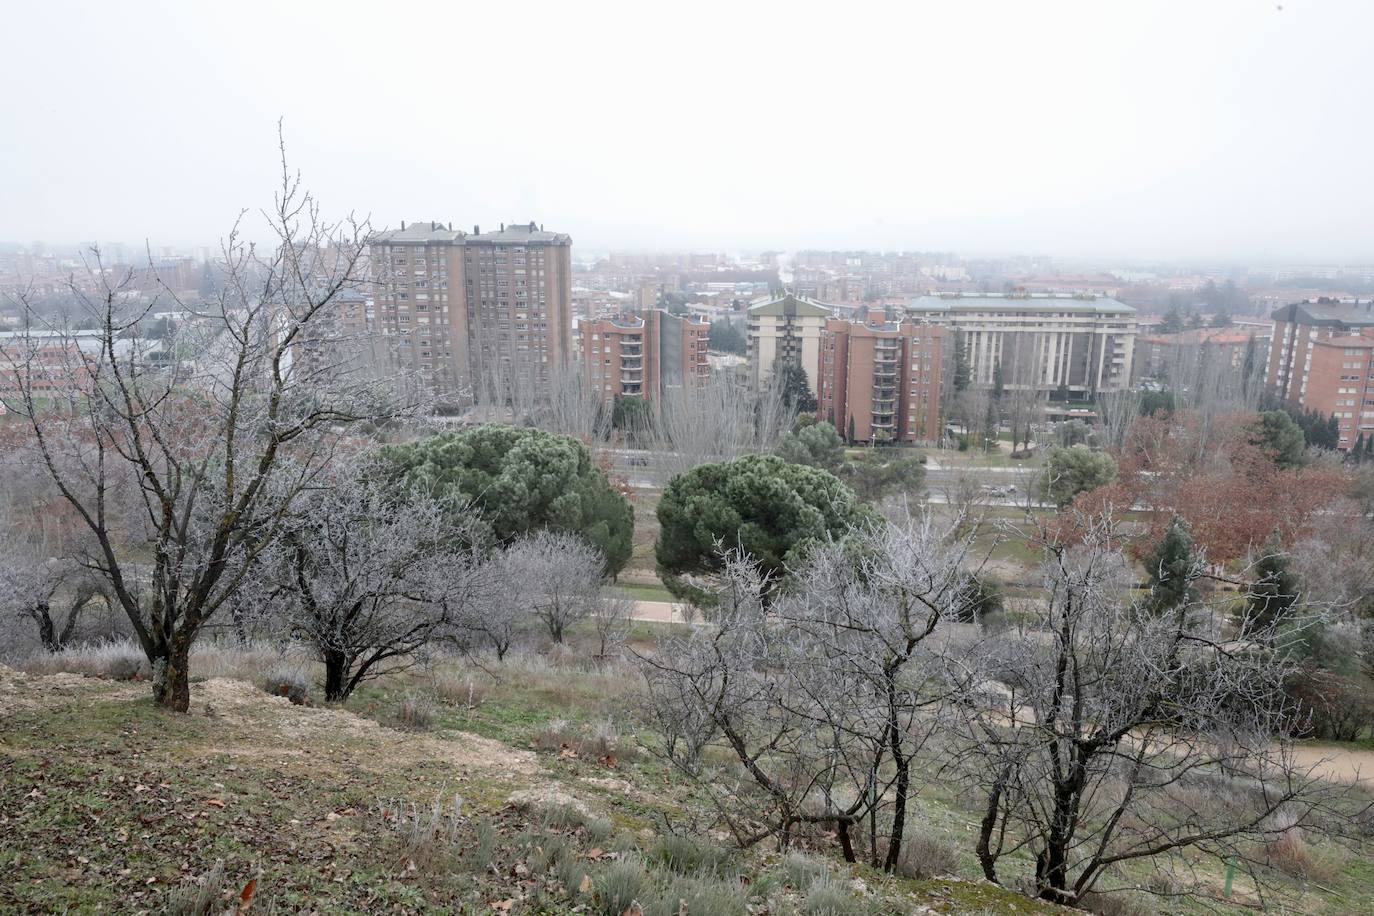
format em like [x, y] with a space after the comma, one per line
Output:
[642, 355]
[1298, 329]
[476, 314]
[788, 328]
[1173, 355]
[881, 381]
[1340, 384]
[1082, 343]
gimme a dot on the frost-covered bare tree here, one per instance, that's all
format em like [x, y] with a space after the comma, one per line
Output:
[1108, 735]
[494, 620]
[717, 420]
[612, 617]
[561, 575]
[823, 698]
[43, 578]
[370, 573]
[207, 437]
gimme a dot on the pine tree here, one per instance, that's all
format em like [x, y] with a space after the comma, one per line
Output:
[961, 367]
[796, 387]
[1172, 568]
[1247, 371]
[1274, 591]
[998, 383]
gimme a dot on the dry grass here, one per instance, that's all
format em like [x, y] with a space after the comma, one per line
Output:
[115, 661]
[122, 660]
[415, 712]
[928, 855]
[463, 692]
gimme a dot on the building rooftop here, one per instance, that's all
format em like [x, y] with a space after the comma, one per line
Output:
[521, 234]
[418, 231]
[1329, 312]
[958, 302]
[790, 304]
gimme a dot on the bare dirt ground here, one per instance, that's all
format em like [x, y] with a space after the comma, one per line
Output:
[277, 726]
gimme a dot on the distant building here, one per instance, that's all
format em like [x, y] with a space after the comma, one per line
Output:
[786, 327]
[642, 355]
[880, 382]
[1081, 343]
[1322, 358]
[1340, 384]
[1164, 356]
[1297, 328]
[475, 314]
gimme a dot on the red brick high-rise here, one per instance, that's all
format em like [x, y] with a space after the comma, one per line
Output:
[640, 355]
[880, 381]
[1322, 358]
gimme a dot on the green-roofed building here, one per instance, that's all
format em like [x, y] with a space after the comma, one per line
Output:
[1045, 342]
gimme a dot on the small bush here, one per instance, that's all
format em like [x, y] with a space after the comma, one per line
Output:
[800, 871]
[599, 830]
[688, 857]
[699, 896]
[415, 712]
[826, 898]
[927, 855]
[199, 898]
[621, 885]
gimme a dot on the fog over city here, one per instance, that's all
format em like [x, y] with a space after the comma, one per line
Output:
[1145, 130]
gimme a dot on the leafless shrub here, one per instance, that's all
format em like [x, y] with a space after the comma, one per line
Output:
[612, 616]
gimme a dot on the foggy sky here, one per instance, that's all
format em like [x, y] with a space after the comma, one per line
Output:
[1120, 129]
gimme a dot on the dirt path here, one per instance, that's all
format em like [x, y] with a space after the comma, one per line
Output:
[1338, 764]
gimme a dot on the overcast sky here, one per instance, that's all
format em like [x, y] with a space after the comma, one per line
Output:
[1122, 129]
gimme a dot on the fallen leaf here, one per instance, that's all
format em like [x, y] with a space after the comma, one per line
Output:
[246, 895]
[594, 853]
[586, 886]
[608, 761]
[502, 906]
[217, 802]
[633, 909]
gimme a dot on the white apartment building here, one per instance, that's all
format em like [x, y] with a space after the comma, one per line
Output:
[786, 327]
[1083, 343]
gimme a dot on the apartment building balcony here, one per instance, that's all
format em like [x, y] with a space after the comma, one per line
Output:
[882, 421]
[631, 362]
[631, 388]
[631, 378]
[884, 405]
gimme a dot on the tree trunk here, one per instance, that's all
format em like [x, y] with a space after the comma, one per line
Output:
[335, 675]
[170, 660]
[46, 632]
[846, 845]
[989, 823]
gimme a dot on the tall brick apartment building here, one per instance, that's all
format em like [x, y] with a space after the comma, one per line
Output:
[475, 314]
[642, 355]
[880, 381]
[1322, 358]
